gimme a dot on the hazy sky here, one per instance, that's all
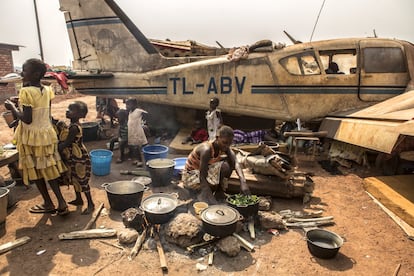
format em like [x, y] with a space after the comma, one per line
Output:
[231, 22]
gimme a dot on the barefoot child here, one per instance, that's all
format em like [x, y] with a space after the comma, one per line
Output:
[136, 134]
[214, 119]
[122, 137]
[75, 155]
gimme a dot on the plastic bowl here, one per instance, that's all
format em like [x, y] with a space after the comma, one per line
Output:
[179, 165]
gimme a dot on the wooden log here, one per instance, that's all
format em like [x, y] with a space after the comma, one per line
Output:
[194, 246]
[88, 234]
[309, 219]
[13, 244]
[264, 185]
[138, 243]
[94, 217]
[245, 244]
[250, 225]
[163, 259]
[210, 258]
[305, 133]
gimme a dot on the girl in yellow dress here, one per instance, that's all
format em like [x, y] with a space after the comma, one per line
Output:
[36, 139]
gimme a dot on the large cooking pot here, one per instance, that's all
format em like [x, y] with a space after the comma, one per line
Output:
[323, 244]
[220, 220]
[246, 210]
[159, 208]
[161, 171]
[124, 194]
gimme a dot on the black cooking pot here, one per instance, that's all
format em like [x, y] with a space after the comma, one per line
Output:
[124, 194]
[220, 220]
[245, 210]
[323, 244]
[159, 208]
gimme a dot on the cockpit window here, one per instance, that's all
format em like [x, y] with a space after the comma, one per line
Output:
[384, 60]
[339, 61]
[301, 64]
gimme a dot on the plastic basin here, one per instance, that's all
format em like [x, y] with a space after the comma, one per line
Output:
[154, 151]
[179, 165]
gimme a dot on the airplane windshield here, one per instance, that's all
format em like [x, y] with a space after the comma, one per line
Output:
[301, 64]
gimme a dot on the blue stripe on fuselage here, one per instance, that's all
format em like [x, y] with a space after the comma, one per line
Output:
[156, 90]
[93, 21]
[255, 89]
[271, 89]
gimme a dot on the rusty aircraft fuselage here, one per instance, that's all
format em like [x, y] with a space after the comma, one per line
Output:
[114, 59]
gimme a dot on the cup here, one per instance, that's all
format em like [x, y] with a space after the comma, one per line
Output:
[199, 207]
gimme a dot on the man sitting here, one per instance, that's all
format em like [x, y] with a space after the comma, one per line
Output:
[333, 68]
[209, 166]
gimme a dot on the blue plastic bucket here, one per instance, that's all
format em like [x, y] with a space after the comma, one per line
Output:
[101, 161]
[154, 151]
[179, 165]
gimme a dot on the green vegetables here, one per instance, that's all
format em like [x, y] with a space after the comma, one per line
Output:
[243, 200]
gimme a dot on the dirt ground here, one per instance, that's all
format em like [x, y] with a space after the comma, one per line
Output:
[374, 244]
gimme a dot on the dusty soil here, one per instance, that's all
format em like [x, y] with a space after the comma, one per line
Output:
[374, 244]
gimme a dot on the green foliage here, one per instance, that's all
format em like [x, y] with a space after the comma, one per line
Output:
[243, 200]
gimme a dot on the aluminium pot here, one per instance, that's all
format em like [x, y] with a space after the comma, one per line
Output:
[159, 208]
[220, 220]
[124, 194]
[323, 244]
[161, 171]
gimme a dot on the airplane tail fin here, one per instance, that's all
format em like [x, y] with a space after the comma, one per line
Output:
[104, 38]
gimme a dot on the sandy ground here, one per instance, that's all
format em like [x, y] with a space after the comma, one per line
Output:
[374, 244]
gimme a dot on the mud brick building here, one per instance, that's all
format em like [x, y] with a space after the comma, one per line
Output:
[6, 67]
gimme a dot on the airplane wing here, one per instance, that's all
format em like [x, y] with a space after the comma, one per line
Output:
[377, 127]
[10, 78]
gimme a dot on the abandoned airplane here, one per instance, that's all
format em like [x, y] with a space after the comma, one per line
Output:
[115, 59]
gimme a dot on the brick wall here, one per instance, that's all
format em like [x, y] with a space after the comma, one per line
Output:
[6, 66]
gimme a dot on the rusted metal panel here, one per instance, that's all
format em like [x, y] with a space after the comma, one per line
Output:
[371, 134]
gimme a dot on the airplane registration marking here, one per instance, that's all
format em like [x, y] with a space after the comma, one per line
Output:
[222, 85]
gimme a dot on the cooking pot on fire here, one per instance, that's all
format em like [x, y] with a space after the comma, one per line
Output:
[220, 220]
[246, 209]
[159, 208]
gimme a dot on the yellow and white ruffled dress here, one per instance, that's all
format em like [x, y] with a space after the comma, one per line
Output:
[37, 143]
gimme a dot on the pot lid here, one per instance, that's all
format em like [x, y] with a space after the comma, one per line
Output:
[144, 180]
[159, 203]
[220, 215]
